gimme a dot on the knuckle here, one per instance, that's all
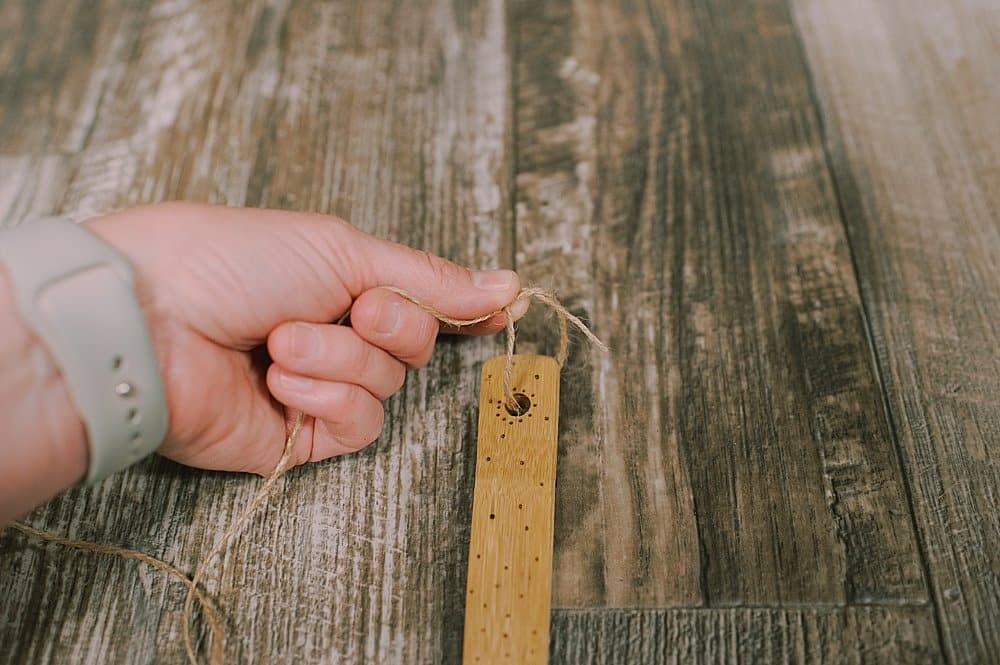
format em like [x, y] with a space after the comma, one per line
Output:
[302, 453]
[443, 271]
[366, 433]
[426, 331]
[355, 399]
[344, 399]
[398, 377]
[376, 424]
[362, 361]
[422, 353]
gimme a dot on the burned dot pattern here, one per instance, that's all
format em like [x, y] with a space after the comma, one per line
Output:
[510, 568]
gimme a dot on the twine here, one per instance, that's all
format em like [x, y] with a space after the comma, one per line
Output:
[216, 630]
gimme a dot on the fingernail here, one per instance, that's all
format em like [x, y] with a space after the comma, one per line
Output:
[296, 382]
[305, 341]
[493, 280]
[519, 308]
[387, 319]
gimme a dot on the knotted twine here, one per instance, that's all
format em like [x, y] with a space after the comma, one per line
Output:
[217, 633]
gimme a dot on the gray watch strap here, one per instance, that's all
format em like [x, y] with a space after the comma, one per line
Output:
[77, 294]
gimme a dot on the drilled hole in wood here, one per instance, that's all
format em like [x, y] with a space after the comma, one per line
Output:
[537, 377]
[520, 406]
[493, 516]
[522, 462]
[488, 459]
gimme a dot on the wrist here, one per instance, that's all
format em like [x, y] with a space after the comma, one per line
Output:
[45, 444]
[162, 328]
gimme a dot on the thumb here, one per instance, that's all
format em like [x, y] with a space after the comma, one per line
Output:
[452, 289]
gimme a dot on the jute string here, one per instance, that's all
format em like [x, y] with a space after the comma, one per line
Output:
[216, 631]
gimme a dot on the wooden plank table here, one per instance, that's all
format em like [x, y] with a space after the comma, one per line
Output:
[781, 215]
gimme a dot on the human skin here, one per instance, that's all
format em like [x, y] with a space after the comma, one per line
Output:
[218, 286]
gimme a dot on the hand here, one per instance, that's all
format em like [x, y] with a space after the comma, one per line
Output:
[217, 283]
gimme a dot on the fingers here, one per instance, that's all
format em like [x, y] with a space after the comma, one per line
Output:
[452, 289]
[335, 353]
[330, 373]
[405, 330]
[390, 322]
[348, 417]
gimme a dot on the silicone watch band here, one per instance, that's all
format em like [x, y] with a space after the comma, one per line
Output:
[77, 294]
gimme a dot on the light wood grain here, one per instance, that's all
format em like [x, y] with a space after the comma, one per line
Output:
[732, 449]
[509, 587]
[911, 97]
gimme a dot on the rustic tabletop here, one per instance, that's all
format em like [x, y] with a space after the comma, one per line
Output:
[781, 215]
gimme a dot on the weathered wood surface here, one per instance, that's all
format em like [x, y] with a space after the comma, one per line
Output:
[393, 119]
[733, 448]
[730, 486]
[898, 635]
[911, 95]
